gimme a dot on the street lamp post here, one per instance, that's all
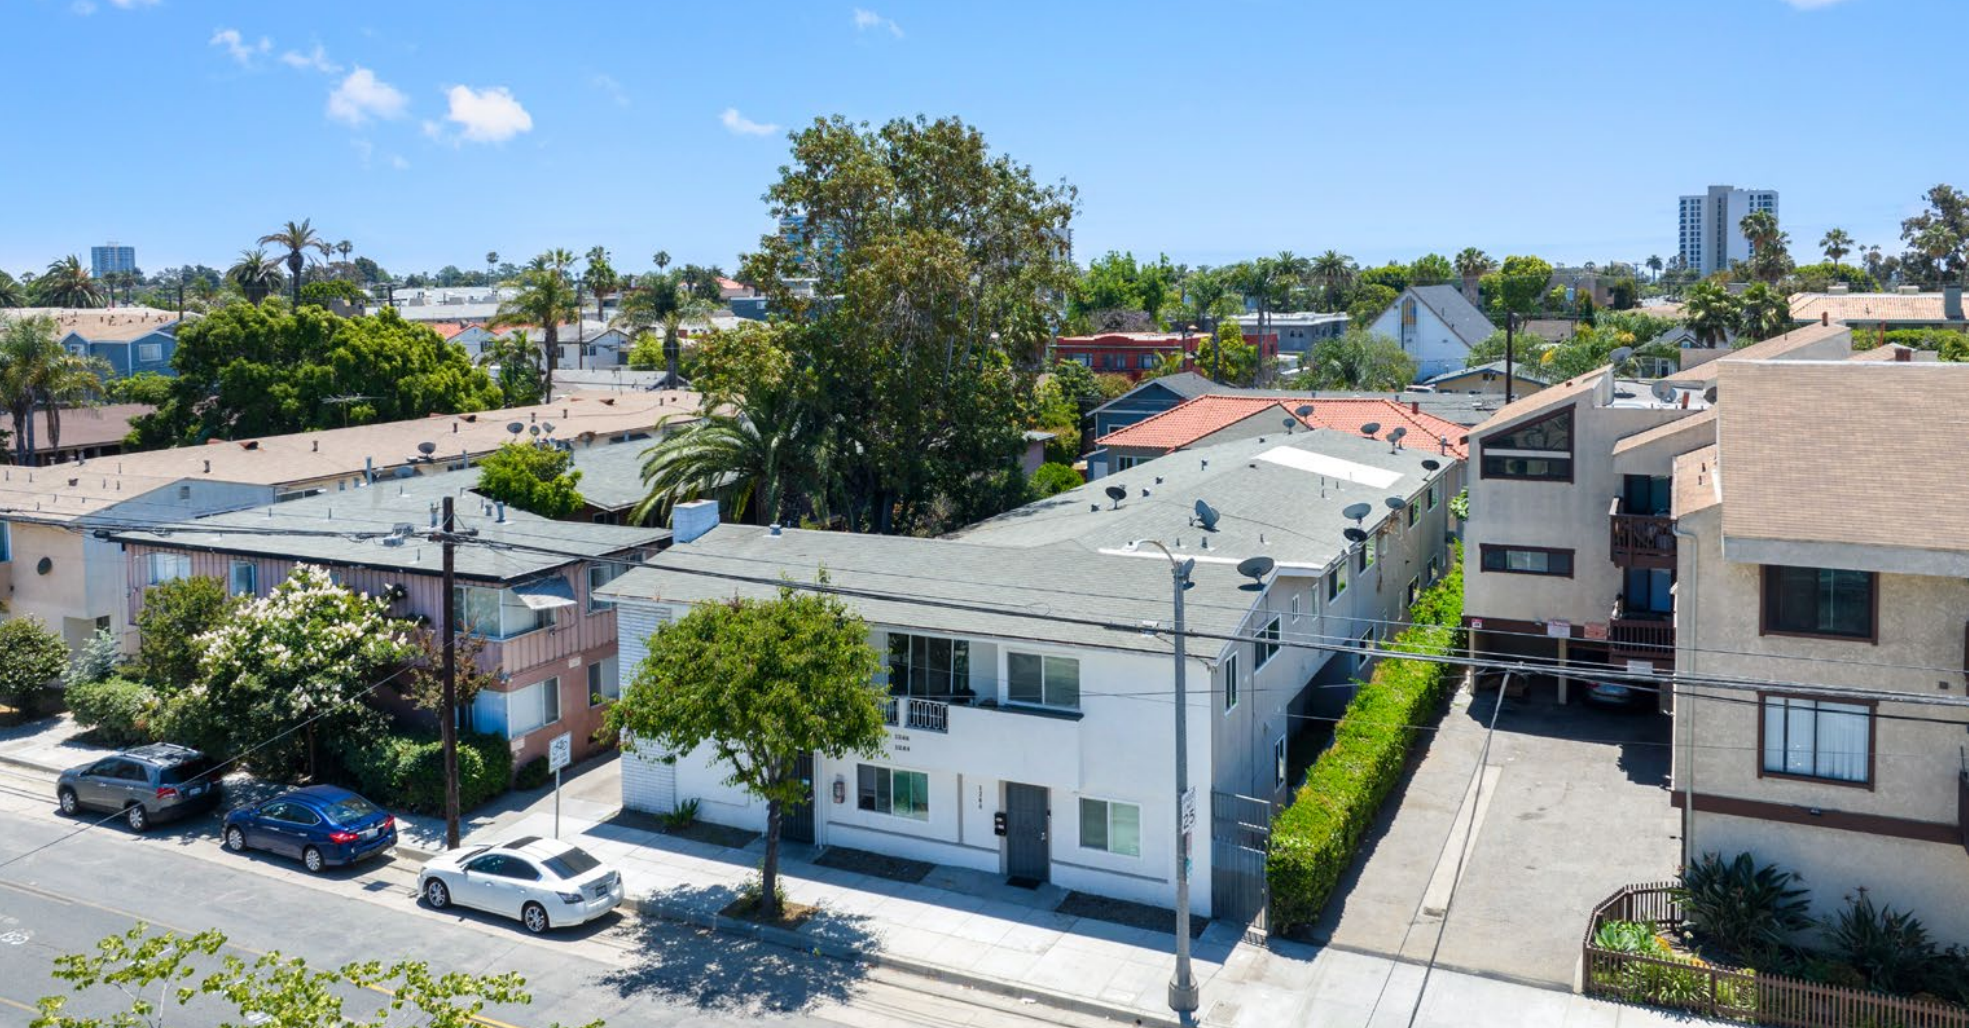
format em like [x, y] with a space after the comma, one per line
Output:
[1183, 990]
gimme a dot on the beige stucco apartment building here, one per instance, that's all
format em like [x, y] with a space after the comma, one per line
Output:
[1824, 551]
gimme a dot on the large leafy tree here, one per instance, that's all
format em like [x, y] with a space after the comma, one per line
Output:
[67, 283]
[143, 974]
[760, 683]
[517, 362]
[1431, 269]
[546, 300]
[1518, 284]
[31, 656]
[298, 239]
[174, 615]
[1936, 237]
[924, 337]
[532, 477]
[290, 666]
[247, 371]
[1359, 360]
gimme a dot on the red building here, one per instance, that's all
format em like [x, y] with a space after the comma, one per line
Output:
[1131, 353]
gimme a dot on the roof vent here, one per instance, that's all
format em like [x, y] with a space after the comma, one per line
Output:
[250, 444]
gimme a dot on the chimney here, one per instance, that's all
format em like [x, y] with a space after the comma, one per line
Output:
[501, 505]
[1902, 354]
[693, 519]
[1825, 317]
[1415, 406]
[1952, 302]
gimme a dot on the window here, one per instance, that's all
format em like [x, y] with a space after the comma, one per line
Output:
[1268, 641]
[1527, 560]
[1336, 582]
[921, 665]
[1819, 601]
[1550, 434]
[1414, 513]
[6, 542]
[1435, 568]
[1111, 827]
[1433, 495]
[1150, 360]
[150, 353]
[1364, 557]
[1280, 768]
[1230, 679]
[243, 578]
[524, 709]
[169, 567]
[1295, 608]
[892, 792]
[600, 575]
[496, 613]
[604, 681]
[1537, 469]
[1124, 463]
[1414, 590]
[1818, 739]
[1047, 681]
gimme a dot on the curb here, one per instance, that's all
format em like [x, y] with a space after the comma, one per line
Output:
[30, 765]
[794, 940]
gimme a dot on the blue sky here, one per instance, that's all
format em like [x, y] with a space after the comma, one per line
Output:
[429, 132]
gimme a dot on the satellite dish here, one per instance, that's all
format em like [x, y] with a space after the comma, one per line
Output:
[547, 427]
[1354, 535]
[1664, 391]
[1395, 503]
[1255, 568]
[1117, 494]
[1431, 464]
[1304, 410]
[1620, 354]
[427, 448]
[1206, 515]
[1356, 511]
[406, 472]
[533, 430]
[1709, 395]
[1371, 428]
[1289, 423]
[515, 427]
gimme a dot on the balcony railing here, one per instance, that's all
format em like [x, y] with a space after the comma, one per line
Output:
[1641, 540]
[1642, 638]
[916, 714]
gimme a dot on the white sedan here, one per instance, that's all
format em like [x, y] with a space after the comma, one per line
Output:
[542, 882]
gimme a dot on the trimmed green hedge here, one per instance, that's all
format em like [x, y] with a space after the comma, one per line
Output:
[406, 772]
[1314, 839]
[118, 709]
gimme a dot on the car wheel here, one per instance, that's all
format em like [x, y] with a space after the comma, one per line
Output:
[534, 917]
[235, 839]
[69, 803]
[436, 894]
[311, 858]
[137, 816]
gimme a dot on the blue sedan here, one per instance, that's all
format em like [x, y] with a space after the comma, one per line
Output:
[322, 825]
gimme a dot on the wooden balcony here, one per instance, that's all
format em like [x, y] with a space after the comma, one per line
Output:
[1641, 540]
[1642, 638]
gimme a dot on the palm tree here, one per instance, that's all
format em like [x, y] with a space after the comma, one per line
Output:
[68, 284]
[1760, 230]
[71, 380]
[491, 263]
[1654, 265]
[657, 304]
[36, 372]
[547, 299]
[12, 293]
[758, 455]
[662, 259]
[1334, 271]
[256, 275]
[294, 239]
[345, 248]
[518, 361]
[600, 280]
[1711, 313]
[1762, 312]
[1472, 265]
[1836, 244]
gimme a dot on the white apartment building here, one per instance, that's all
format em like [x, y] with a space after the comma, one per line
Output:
[1041, 747]
[1709, 238]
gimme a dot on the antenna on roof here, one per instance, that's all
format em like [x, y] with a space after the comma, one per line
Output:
[1304, 410]
[1117, 494]
[1207, 516]
[427, 448]
[1354, 535]
[1709, 395]
[515, 427]
[1395, 438]
[1431, 464]
[1289, 422]
[1395, 502]
[533, 430]
[1356, 511]
[1371, 429]
[547, 427]
[1256, 568]
[1664, 390]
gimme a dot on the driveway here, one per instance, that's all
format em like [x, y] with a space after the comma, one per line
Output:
[1574, 803]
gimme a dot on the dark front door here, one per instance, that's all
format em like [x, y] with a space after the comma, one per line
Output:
[1025, 832]
[796, 823]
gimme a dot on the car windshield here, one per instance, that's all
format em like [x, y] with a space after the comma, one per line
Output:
[354, 808]
[190, 770]
[572, 864]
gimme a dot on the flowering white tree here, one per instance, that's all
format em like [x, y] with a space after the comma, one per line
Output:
[301, 657]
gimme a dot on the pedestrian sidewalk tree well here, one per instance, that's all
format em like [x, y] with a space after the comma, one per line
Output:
[280, 670]
[760, 682]
[1314, 839]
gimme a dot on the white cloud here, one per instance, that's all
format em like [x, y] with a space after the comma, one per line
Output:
[608, 84]
[488, 115]
[316, 59]
[237, 47]
[83, 7]
[740, 125]
[397, 162]
[363, 96]
[866, 19]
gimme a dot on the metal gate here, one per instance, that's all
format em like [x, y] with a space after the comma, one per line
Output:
[1240, 834]
[796, 821]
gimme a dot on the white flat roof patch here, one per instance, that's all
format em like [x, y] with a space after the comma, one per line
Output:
[1332, 467]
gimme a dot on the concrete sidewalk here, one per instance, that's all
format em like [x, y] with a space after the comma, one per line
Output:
[971, 929]
[51, 744]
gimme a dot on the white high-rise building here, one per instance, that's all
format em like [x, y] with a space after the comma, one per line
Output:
[1710, 239]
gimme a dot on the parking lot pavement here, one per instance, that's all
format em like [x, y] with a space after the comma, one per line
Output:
[1575, 805]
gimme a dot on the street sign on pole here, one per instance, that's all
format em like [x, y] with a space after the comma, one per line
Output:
[559, 753]
[1189, 810]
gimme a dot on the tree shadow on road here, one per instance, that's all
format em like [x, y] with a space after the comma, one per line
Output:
[733, 974]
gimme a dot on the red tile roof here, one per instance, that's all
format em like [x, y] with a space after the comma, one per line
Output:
[1184, 424]
[446, 329]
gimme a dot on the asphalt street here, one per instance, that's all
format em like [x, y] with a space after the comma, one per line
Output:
[102, 880]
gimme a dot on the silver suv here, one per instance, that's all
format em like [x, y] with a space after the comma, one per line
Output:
[148, 784]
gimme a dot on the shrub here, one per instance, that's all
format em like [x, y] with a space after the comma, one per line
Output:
[406, 772]
[118, 709]
[95, 661]
[1053, 479]
[532, 775]
[173, 616]
[1314, 839]
[1749, 911]
[1679, 981]
[30, 657]
[1889, 947]
[681, 818]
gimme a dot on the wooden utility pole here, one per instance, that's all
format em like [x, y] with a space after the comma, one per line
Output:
[1510, 327]
[449, 718]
